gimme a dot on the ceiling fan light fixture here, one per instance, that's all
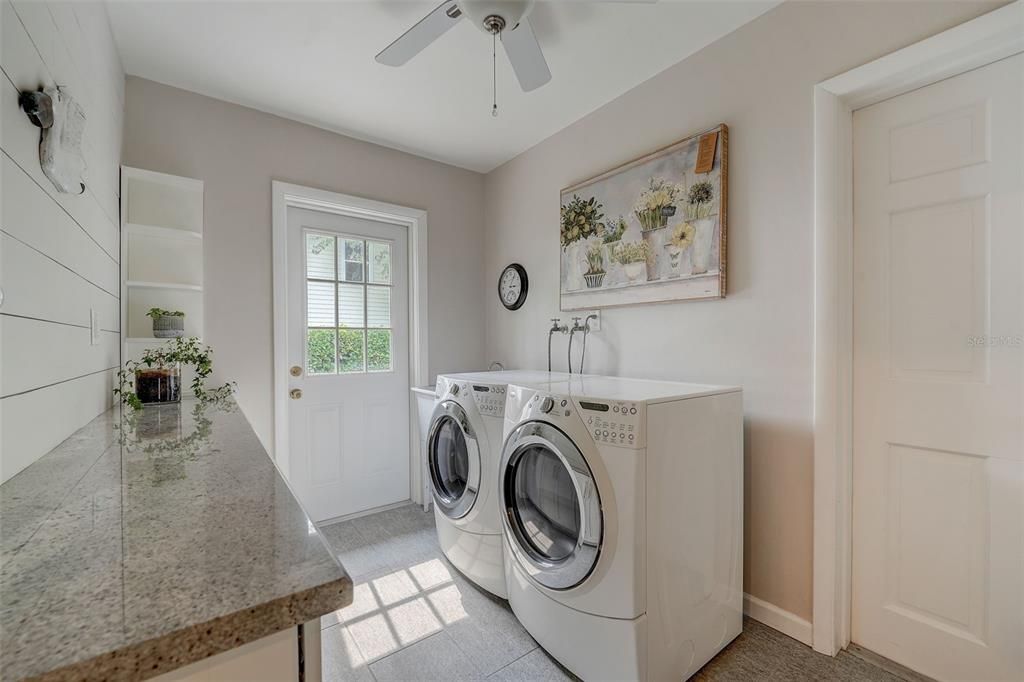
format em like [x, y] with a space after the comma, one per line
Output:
[494, 24]
[510, 11]
[504, 19]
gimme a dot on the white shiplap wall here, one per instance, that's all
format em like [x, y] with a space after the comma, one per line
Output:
[58, 253]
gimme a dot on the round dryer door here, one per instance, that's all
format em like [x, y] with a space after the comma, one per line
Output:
[453, 457]
[552, 510]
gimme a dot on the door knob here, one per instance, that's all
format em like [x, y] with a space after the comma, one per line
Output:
[295, 393]
[296, 371]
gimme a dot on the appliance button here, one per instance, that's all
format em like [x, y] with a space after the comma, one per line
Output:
[454, 389]
[564, 403]
[632, 410]
[604, 433]
[547, 405]
[616, 408]
[631, 436]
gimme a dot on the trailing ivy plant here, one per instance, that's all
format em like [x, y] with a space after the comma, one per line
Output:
[186, 351]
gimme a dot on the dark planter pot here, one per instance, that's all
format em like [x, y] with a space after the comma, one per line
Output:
[159, 385]
[594, 279]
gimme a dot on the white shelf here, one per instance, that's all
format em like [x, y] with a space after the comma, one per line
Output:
[135, 284]
[162, 254]
[143, 340]
[165, 232]
[175, 181]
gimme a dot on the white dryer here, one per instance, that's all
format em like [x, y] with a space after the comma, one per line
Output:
[622, 506]
[463, 447]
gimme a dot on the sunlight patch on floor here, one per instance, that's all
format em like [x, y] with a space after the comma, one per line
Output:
[391, 611]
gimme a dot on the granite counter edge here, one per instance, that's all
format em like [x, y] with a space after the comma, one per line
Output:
[176, 649]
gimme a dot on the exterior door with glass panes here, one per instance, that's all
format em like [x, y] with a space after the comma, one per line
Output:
[348, 353]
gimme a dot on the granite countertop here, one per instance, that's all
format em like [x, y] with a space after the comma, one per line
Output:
[133, 549]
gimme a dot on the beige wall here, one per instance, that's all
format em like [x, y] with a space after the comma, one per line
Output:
[59, 252]
[759, 81]
[237, 151]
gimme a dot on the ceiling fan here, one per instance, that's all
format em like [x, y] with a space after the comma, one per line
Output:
[506, 20]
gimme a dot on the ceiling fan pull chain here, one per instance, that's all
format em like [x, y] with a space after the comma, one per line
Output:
[494, 73]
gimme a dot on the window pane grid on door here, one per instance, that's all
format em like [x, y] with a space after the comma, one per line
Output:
[351, 351]
[351, 259]
[351, 306]
[320, 304]
[348, 320]
[378, 307]
[320, 261]
[320, 351]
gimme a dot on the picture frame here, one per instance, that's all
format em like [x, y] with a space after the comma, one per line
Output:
[654, 229]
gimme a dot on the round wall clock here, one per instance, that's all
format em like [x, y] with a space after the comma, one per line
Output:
[512, 286]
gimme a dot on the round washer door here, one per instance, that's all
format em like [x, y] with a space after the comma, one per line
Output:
[551, 506]
[453, 457]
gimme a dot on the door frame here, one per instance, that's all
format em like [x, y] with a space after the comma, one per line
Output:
[973, 44]
[284, 196]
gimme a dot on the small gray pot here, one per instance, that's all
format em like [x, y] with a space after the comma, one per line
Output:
[168, 326]
[594, 279]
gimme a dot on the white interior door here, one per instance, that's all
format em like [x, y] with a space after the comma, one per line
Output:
[348, 352]
[938, 500]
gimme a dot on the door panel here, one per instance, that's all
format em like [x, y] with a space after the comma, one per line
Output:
[348, 347]
[550, 506]
[938, 491]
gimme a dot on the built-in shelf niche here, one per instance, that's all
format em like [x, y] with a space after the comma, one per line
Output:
[162, 201]
[162, 254]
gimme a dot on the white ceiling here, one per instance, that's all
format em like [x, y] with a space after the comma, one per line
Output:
[313, 62]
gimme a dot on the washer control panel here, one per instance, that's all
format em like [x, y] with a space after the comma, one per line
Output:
[490, 399]
[614, 422]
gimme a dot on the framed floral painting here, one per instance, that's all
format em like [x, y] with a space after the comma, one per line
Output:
[651, 230]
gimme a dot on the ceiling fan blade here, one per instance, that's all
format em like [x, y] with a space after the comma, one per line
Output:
[524, 52]
[427, 30]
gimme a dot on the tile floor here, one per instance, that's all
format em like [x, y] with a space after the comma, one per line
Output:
[414, 617]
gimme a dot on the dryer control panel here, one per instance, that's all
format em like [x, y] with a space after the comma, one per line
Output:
[490, 399]
[609, 422]
[613, 422]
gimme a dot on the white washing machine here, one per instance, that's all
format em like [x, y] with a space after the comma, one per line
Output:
[463, 448]
[622, 507]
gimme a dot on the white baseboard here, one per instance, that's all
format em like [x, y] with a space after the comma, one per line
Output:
[771, 615]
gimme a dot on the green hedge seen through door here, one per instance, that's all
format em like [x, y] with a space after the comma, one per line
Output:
[320, 350]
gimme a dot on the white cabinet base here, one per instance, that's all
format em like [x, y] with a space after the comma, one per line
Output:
[274, 658]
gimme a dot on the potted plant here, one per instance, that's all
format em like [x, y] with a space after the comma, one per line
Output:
[679, 241]
[595, 266]
[580, 220]
[656, 204]
[611, 235]
[155, 377]
[653, 208]
[700, 201]
[633, 257]
[167, 324]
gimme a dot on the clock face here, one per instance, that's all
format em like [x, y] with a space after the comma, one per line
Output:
[512, 286]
